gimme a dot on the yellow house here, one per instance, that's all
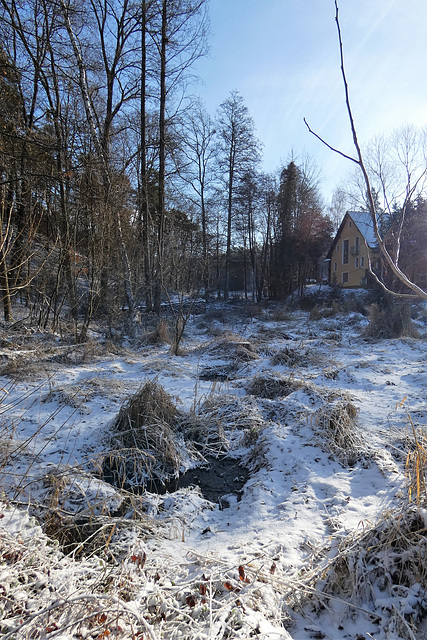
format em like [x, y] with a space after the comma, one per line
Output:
[348, 257]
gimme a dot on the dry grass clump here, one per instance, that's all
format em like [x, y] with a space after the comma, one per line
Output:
[160, 335]
[273, 386]
[84, 535]
[24, 368]
[416, 459]
[233, 346]
[384, 564]
[416, 466]
[338, 422]
[218, 373]
[270, 334]
[75, 395]
[46, 594]
[234, 418]
[298, 357]
[393, 321]
[281, 315]
[230, 346]
[35, 362]
[150, 405]
[147, 425]
[216, 315]
[319, 311]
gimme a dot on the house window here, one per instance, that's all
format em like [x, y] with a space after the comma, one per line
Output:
[335, 266]
[349, 223]
[345, 277]
[362, 261]
[356, 244]
[345, 251]
[338, 247]
[356, 262]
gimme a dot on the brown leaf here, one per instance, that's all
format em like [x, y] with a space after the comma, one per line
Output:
[191, 601]
[51, 627]
[139, 559]
[242, 573]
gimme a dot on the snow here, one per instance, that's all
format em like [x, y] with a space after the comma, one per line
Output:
[184, 568]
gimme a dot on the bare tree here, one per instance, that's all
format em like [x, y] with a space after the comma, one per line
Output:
[197, 162]
[119, 27]
[180, 41]
[405, 151]
[239, 153]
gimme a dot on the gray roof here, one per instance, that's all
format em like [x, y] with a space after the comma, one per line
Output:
[363, 221]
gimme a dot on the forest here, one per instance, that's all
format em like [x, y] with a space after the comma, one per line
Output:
[120, 192]
[118, 189]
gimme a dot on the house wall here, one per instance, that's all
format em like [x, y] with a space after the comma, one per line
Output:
[353, 272]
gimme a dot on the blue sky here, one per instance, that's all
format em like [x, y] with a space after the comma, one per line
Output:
[283, 57]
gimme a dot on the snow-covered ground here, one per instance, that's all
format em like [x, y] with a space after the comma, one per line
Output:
[322, 420]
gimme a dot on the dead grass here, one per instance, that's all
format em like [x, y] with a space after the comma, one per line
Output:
[338, 423]
[160, 335]
[75, 395]
[145, 438]
[318, 312]
[281, 315]
[273, 386]
[416, 459]
[299, 356]
[392, 322]
[235, 419]
[383, 564]
[232, 346]
[82, 512]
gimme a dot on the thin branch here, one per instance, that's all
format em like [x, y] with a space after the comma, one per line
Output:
[341, 153]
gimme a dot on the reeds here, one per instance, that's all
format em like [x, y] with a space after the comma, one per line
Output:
[338, 423]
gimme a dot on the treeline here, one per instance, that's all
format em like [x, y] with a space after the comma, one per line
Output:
[117, 188]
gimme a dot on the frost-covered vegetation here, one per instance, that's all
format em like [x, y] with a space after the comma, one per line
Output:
[269, 481]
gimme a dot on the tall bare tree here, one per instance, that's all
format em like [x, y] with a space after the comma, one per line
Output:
[240, 152]
[180, 41]
[197, 160]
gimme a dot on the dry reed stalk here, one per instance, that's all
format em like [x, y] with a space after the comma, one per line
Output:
[416, 459]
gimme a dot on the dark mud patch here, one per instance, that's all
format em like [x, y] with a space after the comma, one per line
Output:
[218, 374]
[218, 478]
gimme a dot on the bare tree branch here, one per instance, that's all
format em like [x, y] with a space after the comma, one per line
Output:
[341, 153]
[417, 292]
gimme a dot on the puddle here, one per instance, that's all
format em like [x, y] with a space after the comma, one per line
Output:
[219, 477]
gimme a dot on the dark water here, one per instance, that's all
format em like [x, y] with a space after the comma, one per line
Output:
[219, 477]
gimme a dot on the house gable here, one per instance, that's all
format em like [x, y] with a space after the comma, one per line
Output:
[353, 246]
